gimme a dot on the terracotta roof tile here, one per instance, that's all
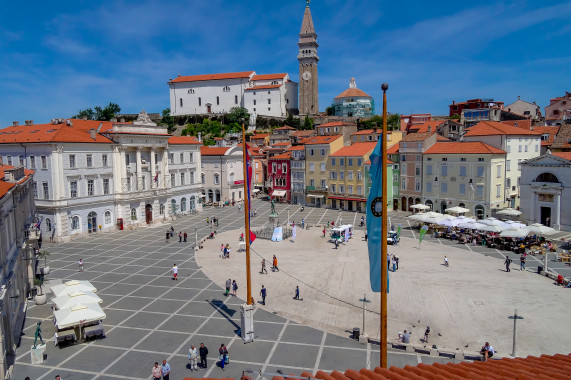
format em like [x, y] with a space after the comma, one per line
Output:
[417, 136]
[335, 124]
[283, 143]
[270, 86]
[524, 124]
[394, 149]
[305, 133]
[490, 128]
[283, 156]
[213, 151]
[352, 92]
[563, 138]
[421, 128]
[260, 136]
[37, 133]
[321, 139]
[269, 76]
[442, 138]
[285, 127]
[183, 140]
[5, 187]
[545, 130]
[196, 78]
[565, 155]
[466, 147]
[369, 131]
[355, 150]
[296, 147]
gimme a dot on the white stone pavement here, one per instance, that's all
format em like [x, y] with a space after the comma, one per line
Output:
[465, 304]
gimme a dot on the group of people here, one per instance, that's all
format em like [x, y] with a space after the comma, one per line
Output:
[522, 260]
[225, 251]
[274, 265]
[194, 354]
[231, 285]
[394, 261]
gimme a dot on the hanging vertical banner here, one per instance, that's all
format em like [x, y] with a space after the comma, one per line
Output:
[421, 234]
[293, 233]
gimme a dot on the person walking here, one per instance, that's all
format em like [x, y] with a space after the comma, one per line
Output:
[223, 351]
[168, 235]
[193, 357]
[203, 351]
[80, 264]
[234, 287]
[323, 231]
[445, 261]
[264, 267]
[426, 334]
[336, 243]
[174, 271]
[366, 235]
[184, 236]
[522, 262]
[207, 221]
[228, 285]
[276, 269]
[397, 261]
[406, 337]
[166, 370]
[303, 223]
[394, 262]
[263, 293]
[508, 261]
[156, 372]
[296, 297]
[180, 236]
[222, 250]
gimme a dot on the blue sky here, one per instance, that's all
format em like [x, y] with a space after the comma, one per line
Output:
[57, 57]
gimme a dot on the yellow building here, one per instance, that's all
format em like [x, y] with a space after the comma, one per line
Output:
[317, 151]
[366, 135]
[346, 188]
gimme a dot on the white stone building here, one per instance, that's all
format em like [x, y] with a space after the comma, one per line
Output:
[518, 143]
[91, 174]
[222, 174]
[17, 259]
[546, 189]
[267, 95]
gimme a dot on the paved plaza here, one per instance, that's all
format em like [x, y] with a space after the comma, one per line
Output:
[151, 318]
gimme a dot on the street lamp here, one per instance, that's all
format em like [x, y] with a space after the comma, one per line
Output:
[365, 302]
[515, 317]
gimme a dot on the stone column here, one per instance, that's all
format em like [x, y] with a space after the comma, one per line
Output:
[153, 170]
[58, 188]
[139, 172]
[165, 173]
[532, 207]
[557, 219]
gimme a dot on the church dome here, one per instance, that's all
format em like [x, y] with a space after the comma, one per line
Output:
[352, 91]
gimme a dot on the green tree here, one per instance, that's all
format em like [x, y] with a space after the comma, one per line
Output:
[236, 115]
[307, 123]
[330, 111]
[97, 113]
[167, 120]
[292, 121]
[393, 122]
[86, 113]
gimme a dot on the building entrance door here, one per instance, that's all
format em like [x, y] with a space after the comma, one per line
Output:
[148, 213]
[545, 213]
[92, 222]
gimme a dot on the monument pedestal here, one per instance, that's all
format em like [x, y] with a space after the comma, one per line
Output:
[247, 322]
[37, 354]
[274, 220]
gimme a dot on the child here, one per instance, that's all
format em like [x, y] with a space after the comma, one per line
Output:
[80, 263]
[174, 271]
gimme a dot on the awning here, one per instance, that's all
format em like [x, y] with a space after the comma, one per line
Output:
[255, 191]
[315, 196]
[279, 193]
[349, 199]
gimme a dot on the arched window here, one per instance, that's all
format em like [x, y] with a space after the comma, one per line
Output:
[231, 178]
[479, 211]
[75, 223]
[192, 203]
[107, 217]
[49, 224]
[202, 178]
[173, 206]
[430, 204]
[226, 89]
[183, 205]
[133, 214]
[218, 100]
[547, 177]
[216, 179]
[191, 91]
[162, 209]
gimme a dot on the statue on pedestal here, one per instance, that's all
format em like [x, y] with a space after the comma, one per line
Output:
[38, 334]
[273, 207]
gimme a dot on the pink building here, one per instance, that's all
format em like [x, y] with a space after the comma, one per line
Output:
[279, 177]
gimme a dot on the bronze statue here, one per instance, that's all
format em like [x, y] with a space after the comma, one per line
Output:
[38, 334]
[273, 207]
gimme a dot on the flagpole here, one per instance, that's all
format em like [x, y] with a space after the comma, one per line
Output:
[384, 232]
[246, 220]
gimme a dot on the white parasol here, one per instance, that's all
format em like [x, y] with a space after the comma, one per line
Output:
[457, 210]
[74, 298]
[514, 232]
[538, 228]
[73, 286]
[509, 212]
[78, 314]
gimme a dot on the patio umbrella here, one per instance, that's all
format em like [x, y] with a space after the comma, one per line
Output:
[538, 228]
[513, 224]
[509, 212]
[73, 286]
[471, 225]
[432, 219]
[463, 219]
[446, 223]
[457, 210]
[494, 222]
[492, 228]
[420, 206]
[424, 215]
[514, 232]
[75, 298]
[77, 314]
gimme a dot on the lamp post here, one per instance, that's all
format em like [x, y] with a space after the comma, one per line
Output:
[515, 317]
[195, 238]
[365, 302]
[384, 268]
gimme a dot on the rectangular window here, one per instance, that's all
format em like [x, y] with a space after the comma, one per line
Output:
[46, 189]
[428, 186]
[359, 162]
[350, 162]
[417, 170]
[72, 160]
[21, 159]
[90, 186]
[341, 175]
[462, 159]
[359, 190]
[480, 191]
[311, 166]
[444, 170]
[341, 189]
[312, 182]
[171, 159]
[480, 171]
[9, 160]
[322, 152]
[498, 171]
[127, 159]
[359, 176]
[73, 189]
[89, 161]
[525, 148]
[128, 183]
[44, 162]
[395, 177]
[182, 179]
[311, 153]
[269, 101]
[342, 161]
[332, 188]
[428, 169]
[105, 186]
[350, 175]
[180, 102]
[417, 185]
[519, 148]
[284, 168]
[349, 189]
[181, 158]
[333, 175]
[173, 180]
[104, 158]
[199, 101]
[323, 183]
[35, 189]
[403, 169]
[254, 101]
[418, 158]
[443, 187]
[536, 148]
[274, 167]
[235, 99]
[508, 165]
[332, 162]
[403, 157]
[32, 162]
[509, 149]
[498, 191]
[462, 171]
[462, 189]
[403, 183]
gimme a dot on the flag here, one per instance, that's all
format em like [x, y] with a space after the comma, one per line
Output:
[293, 234]
[156, 177]
[248, 185]
[398, 231]
[39, 223]
[422, 232]
[374, 223]
[346, 235]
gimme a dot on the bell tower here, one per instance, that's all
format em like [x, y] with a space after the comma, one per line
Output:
[307, 57]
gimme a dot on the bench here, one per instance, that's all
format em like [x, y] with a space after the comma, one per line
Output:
[65, 335]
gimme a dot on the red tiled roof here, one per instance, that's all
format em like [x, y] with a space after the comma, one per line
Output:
[285, 127]
[524, 124]
[466, 147]
[183, 140]
[283, 156]
[544, 130]
[321, 139]
[393, 149]
[563, 138]
[352, 92]
[78, 132]
[296, 147]
[358, 149]
[283, 143]
[490, 128]
[370, 131]
[442, 138]
[269, 76]
[260, 136]
[6, 186]
[421, 128]
[305, 133]
[213, 151]
[335, 124]
[368, 162]
[421, 136]
[196, 78]
[270, 86]
[565, 155]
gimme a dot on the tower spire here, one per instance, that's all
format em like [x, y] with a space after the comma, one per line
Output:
[307, 24]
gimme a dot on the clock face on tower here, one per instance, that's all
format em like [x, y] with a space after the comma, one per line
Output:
[306, 75]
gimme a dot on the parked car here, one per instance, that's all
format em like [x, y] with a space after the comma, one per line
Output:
[393, 238]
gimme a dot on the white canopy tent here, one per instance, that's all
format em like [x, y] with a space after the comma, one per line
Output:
[471, 225]
[514, 232]
[278, 193]
[78, 314]
[491, 228]
[457, 210]
[420, 206]
[73, 286]
[538, 228]
[494, 222]
[513, 224]
[75, 298]
[509, 212]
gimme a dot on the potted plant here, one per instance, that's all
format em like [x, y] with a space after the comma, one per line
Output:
[43, 254]
[40, 297]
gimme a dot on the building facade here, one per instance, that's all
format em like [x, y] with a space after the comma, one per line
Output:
[297, 169]
[472, 104]
[546, 189]
[521, 107]
[337, 128]
[354, 102]
[558, 112]
[92, 176]
[308, 58]
[317, 151]
[222, 174]
[279, 175]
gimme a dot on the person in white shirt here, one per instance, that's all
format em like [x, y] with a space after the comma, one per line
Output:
[193, 357]
[174, 271]
[80, 264]
[487, 351]
[445, 260]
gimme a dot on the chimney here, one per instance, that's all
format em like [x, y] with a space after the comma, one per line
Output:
[453, 102]
[199, 136]
[92, 133]
[518, 97]
[179, 75]
[29, 122]
[15, 123]
[429, 129]
[122, 120]
[85, 118]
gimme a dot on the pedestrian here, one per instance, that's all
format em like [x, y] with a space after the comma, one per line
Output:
[223, 351]
[366, 235]
[58, 377]
[185, 236]
[328, 224]
[508, 262]
[203, 351]
[172, 231]
[445, 261]
[168, 235]
[276, 264]
[296, 297]
[406, 337]
[174, 271]
[522, 262]
[207, 220]
[323, 231]
[474, 242]
[166, 370]
[216, 222]
[193, 357]
[234, 287]
[228, 285]
[394, 262]
[487, 351]
[336, 243]
[263, 293]
[180, 236]
[388, 262]
[156, 372]
[80, 264]
[333, 223]
[222, 250]
[228, 251]
[242, 236]
[426, 334]
[303, 223]
[264, 267]
[397, 261]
